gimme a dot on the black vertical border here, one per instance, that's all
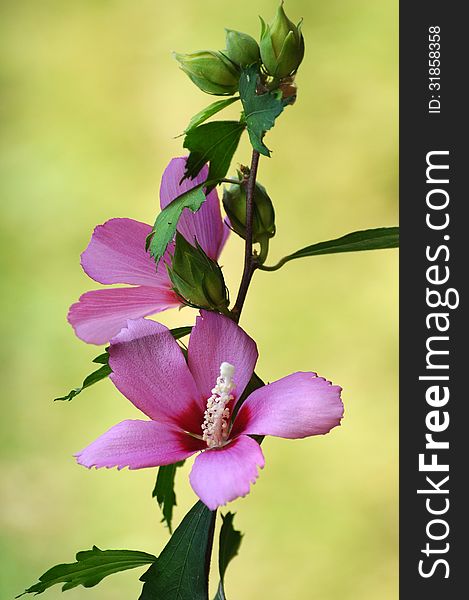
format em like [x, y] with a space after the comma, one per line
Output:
[421, 132]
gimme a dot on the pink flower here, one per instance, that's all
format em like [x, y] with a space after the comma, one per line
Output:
[191, 404]
[116, 254]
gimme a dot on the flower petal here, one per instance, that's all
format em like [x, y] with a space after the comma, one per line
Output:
[116, 254]
[206, 224]
[148, 367]
[296, 406]
[138, 444]
[100, 314]
[220, 475]
[216, 339]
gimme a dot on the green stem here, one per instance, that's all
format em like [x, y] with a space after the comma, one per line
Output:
[264, 251]
[250, 262]
[274, 267]
[232, 181]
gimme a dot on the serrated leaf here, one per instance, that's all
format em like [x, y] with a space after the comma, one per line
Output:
[230, 541]
[181, 570]
[209, 111]
[164, 491]
[369, 239]
[105, 370]
[214, 143]
[166, 222]
[91, 567]
[260, 110]
[92, 378]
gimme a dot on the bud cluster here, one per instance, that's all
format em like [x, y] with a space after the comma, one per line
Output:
[279, 54]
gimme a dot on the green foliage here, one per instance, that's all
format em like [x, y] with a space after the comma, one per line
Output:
[164, 491]
[254, 383]
[180, 332]
[166, 222]
[214, 143]
[369, 239]
[181, 570]
[102, 359]
[92, 378]
[209, 111]
[230, 541]
[261, 107]
[105, 370]
[91, 567]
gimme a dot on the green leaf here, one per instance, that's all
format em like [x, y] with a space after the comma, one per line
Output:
[180, 332]
[230, 541]
[220, 595]
[105, 370]
[181, 570]
[208, 112]
[90, 568]
[92, 378]
[102, 359]
[214, 143]
[166, 222]
[254, 383]
[164, 491]
[260, 110]
[369, 239]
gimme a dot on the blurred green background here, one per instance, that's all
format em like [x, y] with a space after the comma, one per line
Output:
[91, 102]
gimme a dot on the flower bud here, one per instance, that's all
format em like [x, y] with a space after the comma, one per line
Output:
[282, 45]
[211, 72]
[241, 48]
[263, 222]
[196, 278]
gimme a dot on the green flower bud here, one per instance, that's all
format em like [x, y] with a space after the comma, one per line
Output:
[211, 72]
[241, 48]
[263, 222]
[196, 278]
[282, 45]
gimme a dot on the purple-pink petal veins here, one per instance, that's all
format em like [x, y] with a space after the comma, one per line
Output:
[224, 474]
[148, 367]
[296, 406]
[116, 254]
[99, 315]
[216, 339]
[205, 225]
[138, 444]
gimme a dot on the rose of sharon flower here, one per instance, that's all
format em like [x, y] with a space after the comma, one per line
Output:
[191, 403]
[116, 254]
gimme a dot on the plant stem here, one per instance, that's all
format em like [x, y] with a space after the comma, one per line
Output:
[232, 181]
[264, 251]
[275, 267]
[250, 262]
